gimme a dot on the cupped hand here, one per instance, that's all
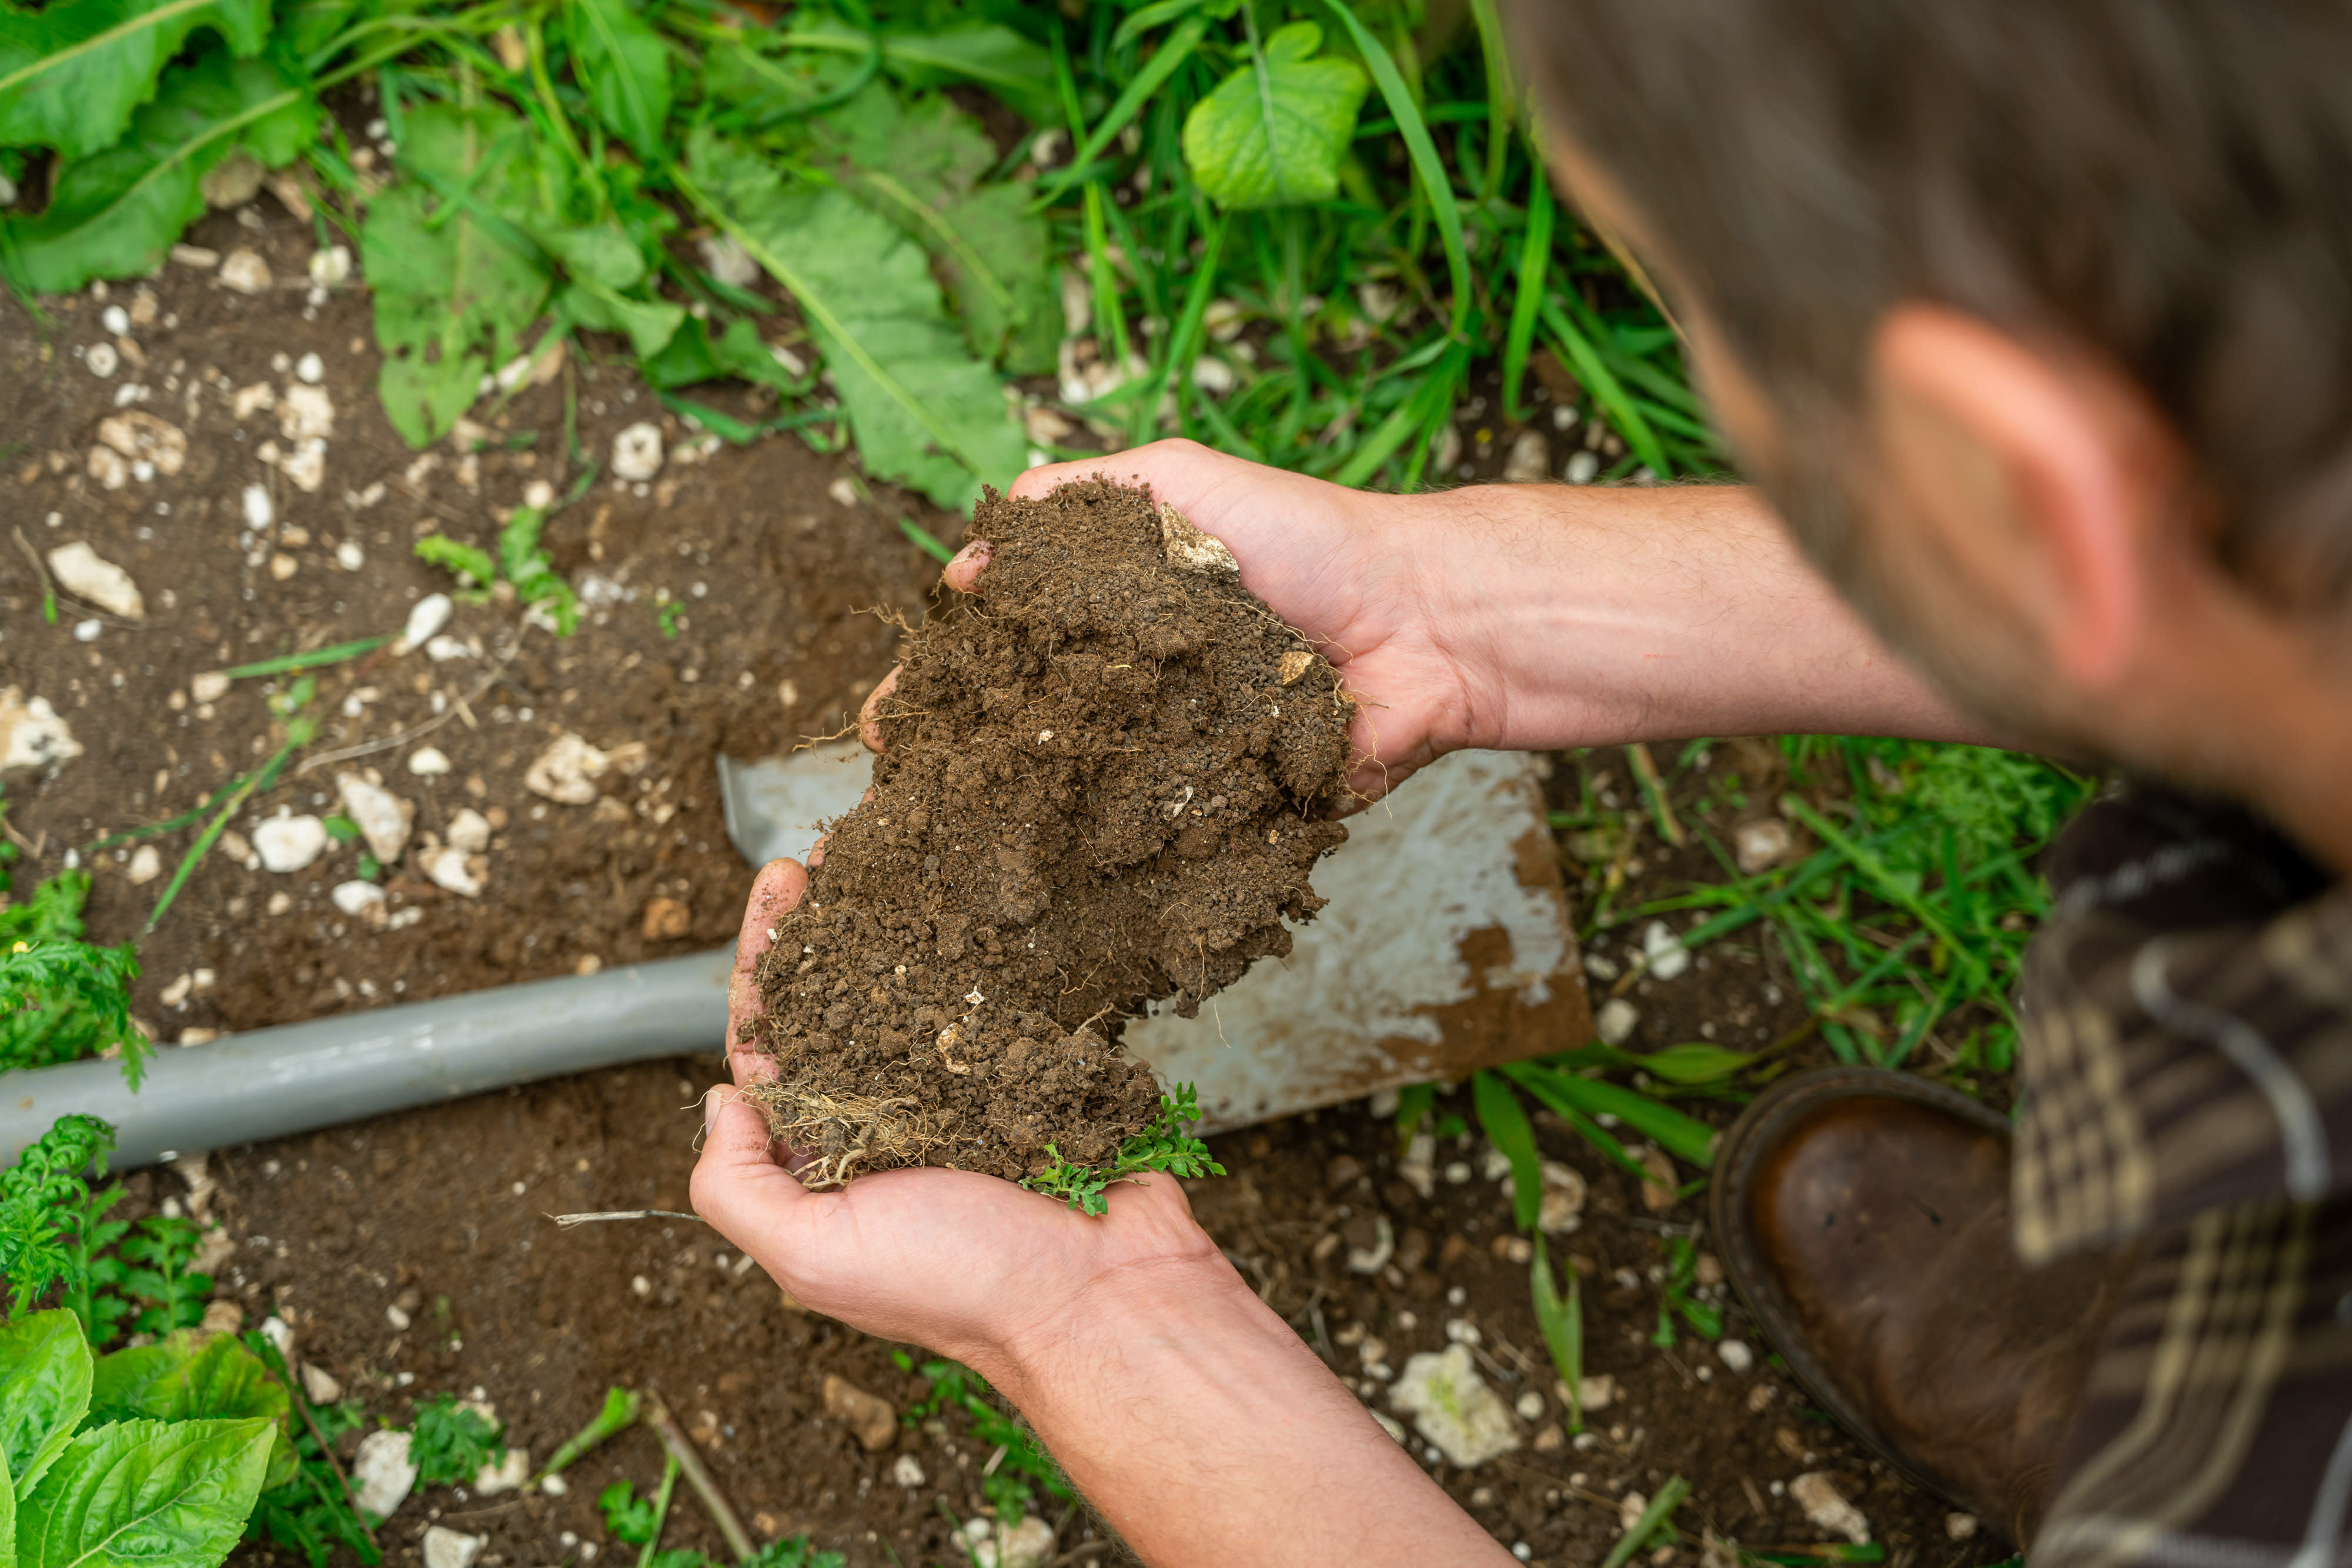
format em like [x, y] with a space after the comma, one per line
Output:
[966, 1264]
[1337, 565]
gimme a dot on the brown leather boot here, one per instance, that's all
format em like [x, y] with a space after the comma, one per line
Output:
[1863, 1216]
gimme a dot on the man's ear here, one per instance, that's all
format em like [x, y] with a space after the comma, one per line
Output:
[2035, 469]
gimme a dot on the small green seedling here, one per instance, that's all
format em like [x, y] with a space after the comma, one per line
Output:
[1162, 1146]
[1676, 1297]
[619, 1412]
[1011, 1483]
[452, 1443]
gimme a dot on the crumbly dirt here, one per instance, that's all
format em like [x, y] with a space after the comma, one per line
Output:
[441, 1212]
[1098, 787]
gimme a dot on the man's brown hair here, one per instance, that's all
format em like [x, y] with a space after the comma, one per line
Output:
[2168, 181]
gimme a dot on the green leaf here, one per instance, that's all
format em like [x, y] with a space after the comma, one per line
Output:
[1694, 1062]
[465, 560]
[761, 87]
[45, 1376]
[925, 412]
[648, 324]
[624, 66]
[989, 53]
[7, 1517]
[1272, 133]
[921, 169]
[146, 1494]
[1684, 1137]
[693, 355]
[178, 1380]
[454, 288]
[115, 213]
[71, 75]
[1506, 1122]
[595, 253]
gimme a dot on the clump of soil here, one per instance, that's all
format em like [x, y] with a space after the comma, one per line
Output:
[1099, 786]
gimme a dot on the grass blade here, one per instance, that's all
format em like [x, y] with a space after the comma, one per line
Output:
[929, 541]
[1534, 262]
[1561, 1319]
[1425, 162]
[1687, 1138]
[1606, 390]
[1506, 1122]
[1662, 1507]
[1174, 50]
[318, 659]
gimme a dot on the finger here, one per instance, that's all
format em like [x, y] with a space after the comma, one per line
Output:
[774, 894]
[869, 716]
[738, 1186]
[962, 573]
[1037, 482]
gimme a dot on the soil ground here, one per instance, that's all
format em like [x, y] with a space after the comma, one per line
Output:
[775, 553]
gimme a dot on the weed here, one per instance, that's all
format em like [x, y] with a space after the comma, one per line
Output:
[520, 564]
[1010, 1487]
[1561, 1317]
[315, 1512]
[1162, 1146]
[451, 1442]
[627, 1516]
[1677, 1295]
[667, 614]
[47, 1216]
[1654, 1528]
[619, 1412]
[61, 999]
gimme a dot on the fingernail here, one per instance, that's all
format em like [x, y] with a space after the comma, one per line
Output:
[712, 1099]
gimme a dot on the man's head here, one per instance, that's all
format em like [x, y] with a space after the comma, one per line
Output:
[2035, 320]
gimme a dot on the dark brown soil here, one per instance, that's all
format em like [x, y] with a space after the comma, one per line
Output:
[1098, 787]
[421, 1210]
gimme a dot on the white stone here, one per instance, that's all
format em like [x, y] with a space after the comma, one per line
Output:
[539, 495]
[330, 268]
[448, 868]
[428, 762]
[245, 271]
[447, 1548]
[1827, 1508]
[907, 1471]
[384, 818]
[1760, 845]
[1665, 950]
[382, 1472]
[1530, 1405]
[233, 181]
[208, 688]
[511, 1473]
[1453, 1408]
[304, 412]
[1529, 462]
[102, 359]
[349, 556]
[1960, 1526]
[1026, 1545]
[469, 832]
[88, 577]
[146, 865]
[260, 511]
[356, 898]
[1616, 1020]
[115, 319]
[32, 733]
[637, 452]
[564, 770]
[725, 259]
[1596, 1393]
[425, 618]
[310, 368]
[397, 1316]
[1582, 468]
[146, 438]
[287, 843]
[306, 465]
[1563, 1198]
[321, 1384]
[1735, 1355]
[444, 648]
[87, 630]
[109, 468]
[1213, 376]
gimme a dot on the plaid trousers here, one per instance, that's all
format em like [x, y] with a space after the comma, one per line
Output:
[2185, 1062]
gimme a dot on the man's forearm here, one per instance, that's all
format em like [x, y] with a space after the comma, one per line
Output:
[1651, 613]
[1207, 1434]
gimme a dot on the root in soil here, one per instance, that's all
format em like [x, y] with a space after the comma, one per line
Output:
[1100, 787]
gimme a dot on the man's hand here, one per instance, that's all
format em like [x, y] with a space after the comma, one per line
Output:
[961, 1262]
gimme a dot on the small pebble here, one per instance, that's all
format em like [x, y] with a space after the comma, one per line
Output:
[1736, 1354]
[349, 556]
[101, 359]
[311, 368]
[116, 320]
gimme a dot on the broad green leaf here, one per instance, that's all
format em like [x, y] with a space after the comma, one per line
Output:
[648, 324]
[761, 87]
[177, 1379]
[305, 26]
[623, 65]
[921, 168]
[146, 1494]
[1506, 1122]
[1273, 134]
[988, 53]
[599, 254]
[925, 412]
[115, 213]
[693, 355]
[44, 1374]
[455, 290]
[71, 75]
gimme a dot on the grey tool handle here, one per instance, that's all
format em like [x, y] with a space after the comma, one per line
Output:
[297, 1078]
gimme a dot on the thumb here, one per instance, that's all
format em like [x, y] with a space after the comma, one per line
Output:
[738, 1186]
